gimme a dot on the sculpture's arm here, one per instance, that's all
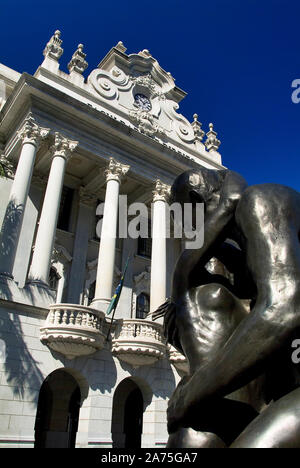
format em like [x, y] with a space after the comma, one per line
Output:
[214, 226]
[242, 358]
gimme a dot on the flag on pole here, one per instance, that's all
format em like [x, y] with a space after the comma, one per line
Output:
[115, 299]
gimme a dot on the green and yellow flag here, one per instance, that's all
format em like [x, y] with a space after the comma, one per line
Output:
[115, 299]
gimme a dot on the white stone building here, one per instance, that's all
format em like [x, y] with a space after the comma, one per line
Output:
[66, 144]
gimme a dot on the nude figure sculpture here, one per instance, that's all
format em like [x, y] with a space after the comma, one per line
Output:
[254, 232]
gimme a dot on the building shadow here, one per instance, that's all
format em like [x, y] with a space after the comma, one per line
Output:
[21, 370]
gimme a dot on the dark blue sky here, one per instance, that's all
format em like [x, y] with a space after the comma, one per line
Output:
[235, 58]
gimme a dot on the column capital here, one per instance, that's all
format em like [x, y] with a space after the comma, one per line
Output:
[116, 171]
[31, 132]
[86, 197]
[62, 146]
[161, 191]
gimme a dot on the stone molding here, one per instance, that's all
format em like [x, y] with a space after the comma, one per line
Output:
[9, 168]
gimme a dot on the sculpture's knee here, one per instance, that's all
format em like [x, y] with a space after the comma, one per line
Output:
[215, 297]
[189, 438]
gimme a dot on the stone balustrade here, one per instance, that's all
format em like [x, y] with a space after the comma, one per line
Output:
[138, 342]
[73, 330]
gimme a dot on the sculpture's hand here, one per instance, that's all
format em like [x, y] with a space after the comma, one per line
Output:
[233, 187]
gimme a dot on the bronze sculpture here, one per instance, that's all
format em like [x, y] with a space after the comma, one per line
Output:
[254, 232]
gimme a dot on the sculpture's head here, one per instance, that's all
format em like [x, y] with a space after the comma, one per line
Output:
[198, 186]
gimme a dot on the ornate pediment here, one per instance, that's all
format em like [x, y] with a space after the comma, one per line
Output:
[143, 95]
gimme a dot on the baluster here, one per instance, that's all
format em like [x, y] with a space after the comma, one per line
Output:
[51, 317]
[78, 318]
[64, 317]
[72, 318]
[90, 320]
[57, 317]
[83, 323]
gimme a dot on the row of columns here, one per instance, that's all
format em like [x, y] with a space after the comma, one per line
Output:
[31, 135]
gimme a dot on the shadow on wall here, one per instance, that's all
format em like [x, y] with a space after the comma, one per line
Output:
[10, 230]
[104, 378]
[21, 371]
[159, 376]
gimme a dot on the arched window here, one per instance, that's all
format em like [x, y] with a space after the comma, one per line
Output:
[142, 305]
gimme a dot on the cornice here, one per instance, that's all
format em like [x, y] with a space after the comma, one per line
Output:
[31, 92]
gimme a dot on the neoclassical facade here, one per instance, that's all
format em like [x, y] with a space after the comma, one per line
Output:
[70, 374]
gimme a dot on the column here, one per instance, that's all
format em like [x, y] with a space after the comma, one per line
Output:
[159, 251]
[86, 217]
[30, 135]
[61, 152]
[106, 258]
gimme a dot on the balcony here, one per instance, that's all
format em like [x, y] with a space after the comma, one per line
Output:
[73, 330]
[178, 359]
[138, 342]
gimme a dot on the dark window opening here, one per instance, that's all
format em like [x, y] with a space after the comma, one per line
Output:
[92, 289]
[145, 244]
[65, 208]
[133, 419]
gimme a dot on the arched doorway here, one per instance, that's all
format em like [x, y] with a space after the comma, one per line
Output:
[127, 417]
[58, 411]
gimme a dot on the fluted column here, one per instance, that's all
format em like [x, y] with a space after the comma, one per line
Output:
[106, 258]
[31, 135]
[159, 246]
[61, 152]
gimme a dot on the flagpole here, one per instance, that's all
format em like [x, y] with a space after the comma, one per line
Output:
[116, 299]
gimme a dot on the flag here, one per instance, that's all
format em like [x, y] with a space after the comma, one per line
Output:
[115, 299]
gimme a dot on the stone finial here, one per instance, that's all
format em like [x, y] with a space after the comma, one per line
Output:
[31, 132]
[116, 171]
[212, 143]
[53, 48]
[78, 62]
[62, 146]
[145, 53]
[161, 191]
[198, 132]
[120, 46]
